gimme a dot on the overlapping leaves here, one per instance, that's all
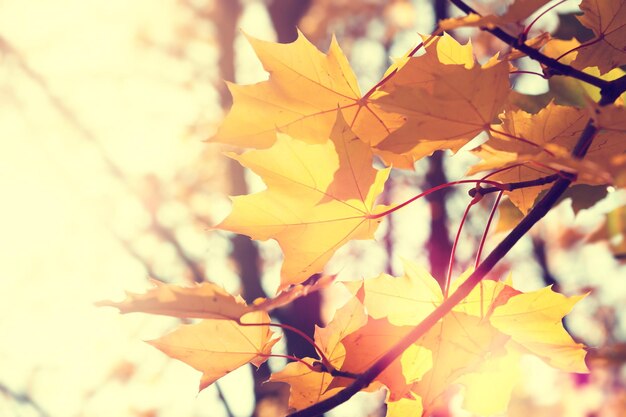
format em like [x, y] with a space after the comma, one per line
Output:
[314, 140]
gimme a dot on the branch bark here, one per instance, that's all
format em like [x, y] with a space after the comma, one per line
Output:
[518, 43]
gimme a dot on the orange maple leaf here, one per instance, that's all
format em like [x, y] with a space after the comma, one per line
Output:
[319, 197]
[606, 18]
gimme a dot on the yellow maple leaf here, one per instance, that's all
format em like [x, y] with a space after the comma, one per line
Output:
[301, 97]
[469, 346]
[446, 96]
[606, 19]
[460, 344]
[534, 321]
[319, 197]
[217, 347]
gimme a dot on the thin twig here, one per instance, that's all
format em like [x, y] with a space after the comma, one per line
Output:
[514, 185]
[23, 398]
[555, 66]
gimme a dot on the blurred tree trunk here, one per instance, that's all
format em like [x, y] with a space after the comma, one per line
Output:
[244, 251]
[438, 245]
[304, 313]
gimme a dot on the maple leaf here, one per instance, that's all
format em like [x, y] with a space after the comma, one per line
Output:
[319, 197]
[367, 344]
[217, 347]
[307, 386]
[405, 300]
[301, 97]
[459, 343]
[467, 347]
[534, 321]
[537, 145]
[606, 18]
[206, 300]
[571, 91]
[447, 98]
[488, 389]
[517, 12]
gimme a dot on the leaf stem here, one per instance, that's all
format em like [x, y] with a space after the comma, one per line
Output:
[430, 191]
[475, 200]
[290, 357]
[484, 237]
[529, 72]
[527, 29]
[517, 43]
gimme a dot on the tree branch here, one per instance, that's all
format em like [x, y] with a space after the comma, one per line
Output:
[518, 43]
[515, 185]
[23, 399]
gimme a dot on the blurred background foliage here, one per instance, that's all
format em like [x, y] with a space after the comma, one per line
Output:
[106, 180]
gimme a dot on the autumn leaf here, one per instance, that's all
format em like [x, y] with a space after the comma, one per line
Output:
[606, 19]
[306, 386]
[206, 301]
[530, 146]
[301, 97]
[370, 342]
[318, 197]
[468, 346]
[534, 321]
[488, 389]
[405, 300]
[217, 347]
[446, 96]
[459, 344]
[570, 91]
[405, 407]
[292, 293]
